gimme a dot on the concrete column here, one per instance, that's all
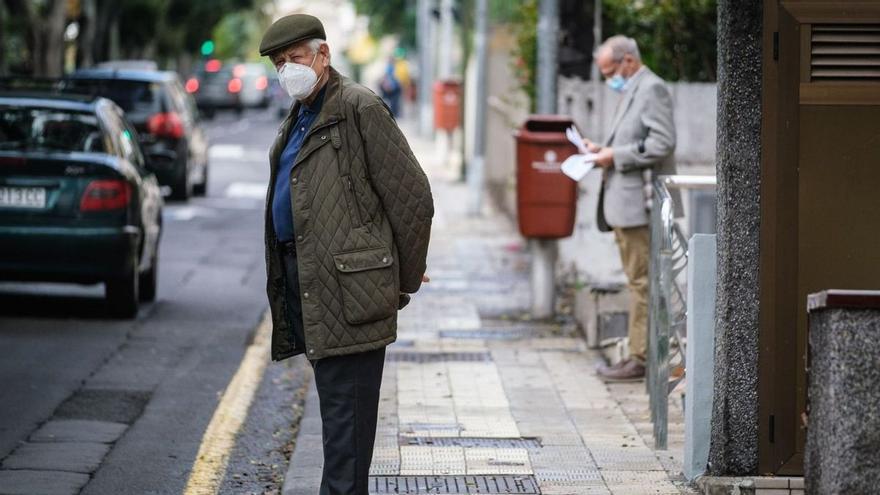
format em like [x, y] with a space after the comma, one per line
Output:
[734, 446]
[700, 355]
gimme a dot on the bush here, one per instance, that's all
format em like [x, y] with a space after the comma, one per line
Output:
[677, 38]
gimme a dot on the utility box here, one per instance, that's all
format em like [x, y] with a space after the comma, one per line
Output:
[447, 105]
[546, 198]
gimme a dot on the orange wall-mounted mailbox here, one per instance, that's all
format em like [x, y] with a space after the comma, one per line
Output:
[447, 105]
[546, 199]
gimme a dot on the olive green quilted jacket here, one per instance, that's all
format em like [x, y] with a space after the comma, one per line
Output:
[362, 212]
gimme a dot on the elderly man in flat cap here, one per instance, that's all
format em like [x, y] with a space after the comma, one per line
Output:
[348, 219]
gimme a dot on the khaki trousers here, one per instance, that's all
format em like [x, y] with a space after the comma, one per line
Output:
[634, 245]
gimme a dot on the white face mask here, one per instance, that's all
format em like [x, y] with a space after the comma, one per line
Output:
[298, 80]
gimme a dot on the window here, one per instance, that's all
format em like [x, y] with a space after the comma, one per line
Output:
[50, 129]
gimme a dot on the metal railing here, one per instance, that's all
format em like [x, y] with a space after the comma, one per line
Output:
[668, 301]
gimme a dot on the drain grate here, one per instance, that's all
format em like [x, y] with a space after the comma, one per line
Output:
[468, 442]
[436, 357]
[453, 484]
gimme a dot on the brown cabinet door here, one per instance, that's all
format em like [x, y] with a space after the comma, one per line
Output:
[820, 193]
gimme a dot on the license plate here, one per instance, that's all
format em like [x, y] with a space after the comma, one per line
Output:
[22, 197]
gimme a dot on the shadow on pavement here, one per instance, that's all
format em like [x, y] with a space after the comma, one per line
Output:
[52, 306]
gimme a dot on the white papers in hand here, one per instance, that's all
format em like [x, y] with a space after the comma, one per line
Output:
[576, 139]
[577, 166]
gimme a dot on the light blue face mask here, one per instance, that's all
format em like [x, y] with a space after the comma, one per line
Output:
[616, 83]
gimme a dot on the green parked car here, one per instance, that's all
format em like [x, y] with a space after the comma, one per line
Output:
[78, 202]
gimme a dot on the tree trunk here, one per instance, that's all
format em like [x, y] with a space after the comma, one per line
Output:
[3, 62]
[86, 43]
[54, 38]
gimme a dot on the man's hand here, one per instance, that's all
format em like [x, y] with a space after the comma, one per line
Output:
[605, 157]
[426, 278]
[592, 146]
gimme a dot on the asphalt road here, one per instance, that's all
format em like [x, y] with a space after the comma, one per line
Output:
[63, 357]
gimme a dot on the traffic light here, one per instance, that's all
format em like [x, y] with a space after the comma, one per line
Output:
[207, 47]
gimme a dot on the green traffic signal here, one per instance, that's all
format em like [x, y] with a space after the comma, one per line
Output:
[207, 48]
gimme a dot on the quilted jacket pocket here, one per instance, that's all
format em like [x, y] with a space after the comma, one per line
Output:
[366, 278]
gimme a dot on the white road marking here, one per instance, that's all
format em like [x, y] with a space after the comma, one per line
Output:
[250, 190]
[229, 151]
[186, 213]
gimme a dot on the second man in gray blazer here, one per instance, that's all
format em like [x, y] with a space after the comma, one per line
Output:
[641, 142]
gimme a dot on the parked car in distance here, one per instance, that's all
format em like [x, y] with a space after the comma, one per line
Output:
[218, 85]
[78, 202]
[165, 117]
[128, 65]
[279, 101]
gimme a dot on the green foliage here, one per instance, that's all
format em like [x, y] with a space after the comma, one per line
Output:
[677, 38]
[238, 36]
[391, 17]
[524, 23]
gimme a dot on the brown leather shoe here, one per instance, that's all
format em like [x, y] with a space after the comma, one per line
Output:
[602, 368]
[630, 371]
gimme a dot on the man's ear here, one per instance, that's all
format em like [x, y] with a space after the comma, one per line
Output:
[325, 51]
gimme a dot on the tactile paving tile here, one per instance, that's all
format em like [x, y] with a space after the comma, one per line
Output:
[497, 461]
[433, 357]
[632, 459]
[525, 443]
[453, 484]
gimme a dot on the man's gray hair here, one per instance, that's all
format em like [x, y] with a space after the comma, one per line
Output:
[619, 46]
[314, 44]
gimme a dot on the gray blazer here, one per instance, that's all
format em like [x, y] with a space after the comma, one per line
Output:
[643, 139]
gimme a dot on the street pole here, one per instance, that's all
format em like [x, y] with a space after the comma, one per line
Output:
[475, 170]
[426, 65]
[445, 46]
[598, 94]
[548, 46]
[544, 251]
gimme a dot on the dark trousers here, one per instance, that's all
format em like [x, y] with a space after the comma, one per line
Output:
[348, 389]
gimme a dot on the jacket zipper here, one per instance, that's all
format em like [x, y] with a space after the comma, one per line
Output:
[355, 204]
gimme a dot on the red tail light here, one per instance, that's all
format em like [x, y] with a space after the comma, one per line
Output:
[15, 161]
[103, 195]
[213, 65]
[262, 83]
[238, 71]
[234, 85]
[192, 85]
[165, 125]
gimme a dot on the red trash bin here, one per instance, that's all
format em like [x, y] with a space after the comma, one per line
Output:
[447, 105]
[546, 199]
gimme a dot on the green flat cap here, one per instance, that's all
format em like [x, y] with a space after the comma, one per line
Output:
[290, 29]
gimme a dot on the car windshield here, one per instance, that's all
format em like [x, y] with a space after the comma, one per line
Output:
[49, 129]
[137, 98]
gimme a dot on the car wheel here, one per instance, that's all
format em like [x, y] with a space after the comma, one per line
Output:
[181, 189]
[122, 293]
[149, 280]
[201, 189]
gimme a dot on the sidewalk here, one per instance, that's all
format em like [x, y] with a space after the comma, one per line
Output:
[478, 399]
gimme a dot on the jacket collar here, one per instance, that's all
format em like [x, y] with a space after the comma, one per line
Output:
[330, 110]
[631, 88]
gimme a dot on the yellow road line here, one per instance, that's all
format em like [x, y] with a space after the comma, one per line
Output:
[219, 439]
